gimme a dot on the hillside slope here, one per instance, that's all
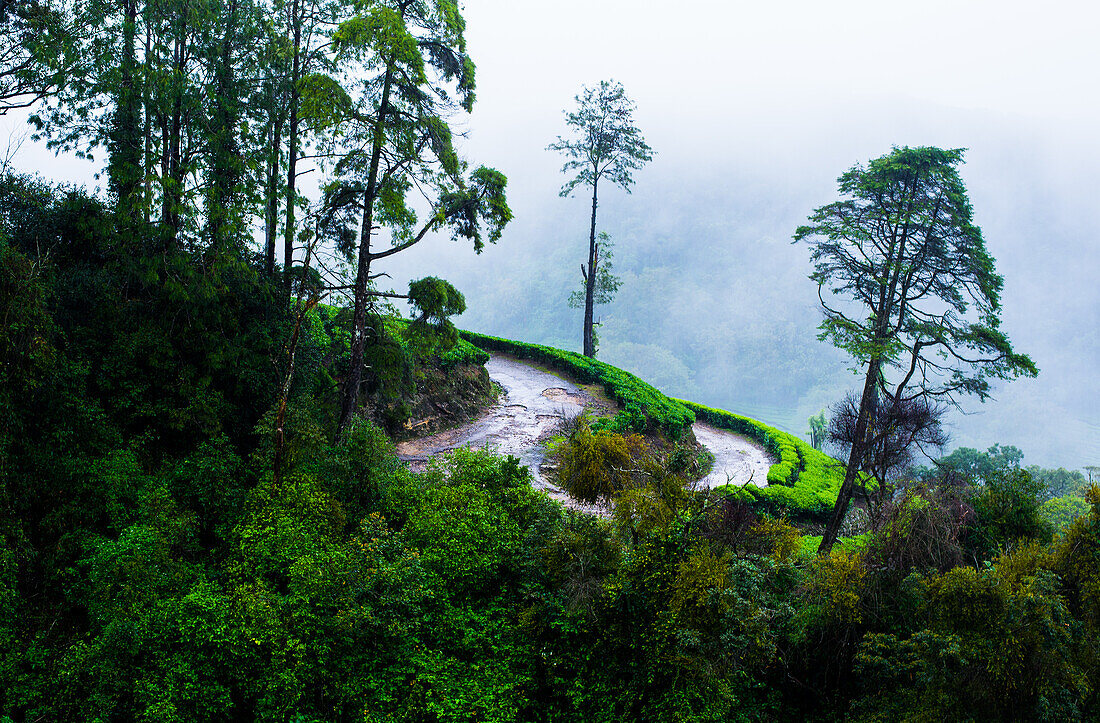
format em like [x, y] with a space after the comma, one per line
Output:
[804, 482]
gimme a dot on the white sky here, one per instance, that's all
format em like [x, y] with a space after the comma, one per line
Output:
[694, 61]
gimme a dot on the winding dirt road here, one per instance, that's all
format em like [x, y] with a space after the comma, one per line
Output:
[534, 404]
[737, 459]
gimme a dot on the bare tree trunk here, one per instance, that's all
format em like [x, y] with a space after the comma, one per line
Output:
[359, 318]
[590, 282]
[855, 458]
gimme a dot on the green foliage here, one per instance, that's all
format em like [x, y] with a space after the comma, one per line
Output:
[909, 210]
[804, 481]
[153, 567]
[1060, 512]
[639, 400]
[1059, 482]
[433, 301]
[606, 281]
[993, 646]
[817, 430]
[606, 143]
[595, 466]
[1075, 558]
[1007, 507]
[809, 544]
[462, 352]
[975, 465]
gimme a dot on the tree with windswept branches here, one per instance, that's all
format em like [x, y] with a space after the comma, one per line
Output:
[919, 298]
[605, 145]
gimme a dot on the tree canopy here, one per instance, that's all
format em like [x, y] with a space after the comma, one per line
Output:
[908, 289]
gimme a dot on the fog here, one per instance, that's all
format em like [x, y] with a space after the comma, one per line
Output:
[754, 110]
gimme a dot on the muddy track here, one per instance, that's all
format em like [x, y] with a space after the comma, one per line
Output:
[737, 459]
[532, 407]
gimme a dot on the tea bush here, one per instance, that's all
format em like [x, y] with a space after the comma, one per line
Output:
[804, 481]
[642, 405]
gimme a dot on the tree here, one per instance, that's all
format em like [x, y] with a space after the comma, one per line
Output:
[605, 145]
[606, 282]
[36, 50]
[974, 466]
[387, 111]
[1059, 482]
[818, 424]
[921, 317]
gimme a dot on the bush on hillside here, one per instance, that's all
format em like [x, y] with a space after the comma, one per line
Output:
[643, 407]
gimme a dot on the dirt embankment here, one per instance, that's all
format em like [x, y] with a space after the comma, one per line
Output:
[444, 397]
[532, 405]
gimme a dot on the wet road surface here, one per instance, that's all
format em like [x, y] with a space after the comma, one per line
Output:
[532, 407]
[737, 459]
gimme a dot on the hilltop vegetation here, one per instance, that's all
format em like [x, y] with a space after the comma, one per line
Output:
[154, 567]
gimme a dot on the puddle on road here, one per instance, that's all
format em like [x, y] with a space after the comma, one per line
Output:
[557, 394]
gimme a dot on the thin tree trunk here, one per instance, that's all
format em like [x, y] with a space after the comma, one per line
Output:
[165, 197]
[271, 214]
[174, 187]
[855, 458]
[124, 169]
[223, 164]
[302, 308]
[359, 319]
[292, 149]
[590, 282]
[147, 158]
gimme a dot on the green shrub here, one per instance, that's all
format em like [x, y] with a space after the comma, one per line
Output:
[643, 407]
[596, 465]
[1007, 510]
[463, 352]
[804, 481]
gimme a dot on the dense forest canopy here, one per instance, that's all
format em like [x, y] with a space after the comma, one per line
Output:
[202, 515]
